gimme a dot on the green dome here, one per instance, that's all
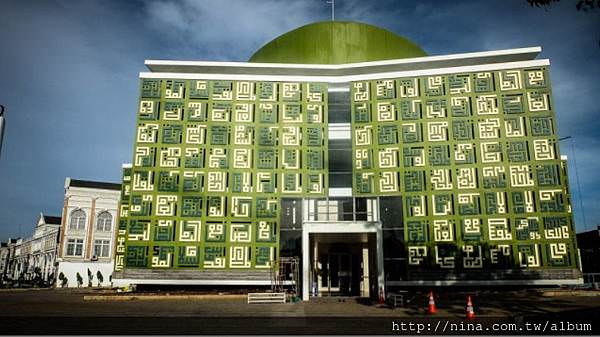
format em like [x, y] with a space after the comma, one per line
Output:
[336, 42]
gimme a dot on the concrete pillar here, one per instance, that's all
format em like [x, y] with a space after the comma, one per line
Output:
[380, 271]
[366, 271]
[45, 266]
[90, 230]
[305, 264]
[63, 226]
[315, 265]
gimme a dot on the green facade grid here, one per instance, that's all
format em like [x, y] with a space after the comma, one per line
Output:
[476, 161]
[212, 160]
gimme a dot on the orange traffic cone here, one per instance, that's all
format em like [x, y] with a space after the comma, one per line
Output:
[381, 297]
[432, 308]
[470, 311]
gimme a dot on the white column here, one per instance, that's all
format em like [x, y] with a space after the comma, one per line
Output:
[380, 271]
[45, 266]
[366, 271]
[315, 266]
[305, 263]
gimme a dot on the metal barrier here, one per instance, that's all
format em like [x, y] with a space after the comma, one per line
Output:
[397, 299]
[591, 280]
[266, 298]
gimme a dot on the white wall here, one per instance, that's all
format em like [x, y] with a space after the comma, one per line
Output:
[70, 269]
[81, 198]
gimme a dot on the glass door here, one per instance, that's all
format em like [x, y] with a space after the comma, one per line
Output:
[336, 274]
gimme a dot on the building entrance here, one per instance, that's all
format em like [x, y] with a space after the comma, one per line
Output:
[341, 273]
[342, 259]
[343, 264]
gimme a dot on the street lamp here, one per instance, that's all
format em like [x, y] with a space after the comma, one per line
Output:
[576, 179]
[1, 126]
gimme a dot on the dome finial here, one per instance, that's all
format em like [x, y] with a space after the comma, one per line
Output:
[332, 2]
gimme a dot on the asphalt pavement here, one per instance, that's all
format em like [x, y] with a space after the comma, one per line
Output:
[82, 311]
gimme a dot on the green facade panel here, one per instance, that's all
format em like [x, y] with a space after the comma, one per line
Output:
[212, 159]
[475, 158]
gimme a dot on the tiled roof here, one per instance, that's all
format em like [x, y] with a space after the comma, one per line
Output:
[95, 184]
[53, 220]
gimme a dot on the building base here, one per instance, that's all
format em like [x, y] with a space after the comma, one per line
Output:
[192, 277]
[70, 270]
[443, 283]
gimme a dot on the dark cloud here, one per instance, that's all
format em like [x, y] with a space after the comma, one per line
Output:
[68, 74]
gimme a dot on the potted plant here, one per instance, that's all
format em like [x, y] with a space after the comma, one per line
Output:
[79, 280]
[90, 277]
[63, 280]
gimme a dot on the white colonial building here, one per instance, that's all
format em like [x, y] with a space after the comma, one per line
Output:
[88, 231]
[5, 250]
[35, 256]
[43, 247]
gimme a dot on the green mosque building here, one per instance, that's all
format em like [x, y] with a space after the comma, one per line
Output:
[347, 148]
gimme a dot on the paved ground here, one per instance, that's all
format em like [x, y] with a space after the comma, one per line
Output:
[29, 310]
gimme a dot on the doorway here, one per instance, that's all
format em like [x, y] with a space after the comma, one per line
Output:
[342, 259]
[340, 274]
[343, 264]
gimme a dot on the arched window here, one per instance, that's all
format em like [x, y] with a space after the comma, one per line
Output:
[77, 220]
[104, 221]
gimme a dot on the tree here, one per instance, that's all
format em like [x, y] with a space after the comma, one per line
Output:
[37, 277]
[100, 278]
[21, 279]
[90, 277]
[51, 279]
[79, 280]
[581, 5]
[541, 3]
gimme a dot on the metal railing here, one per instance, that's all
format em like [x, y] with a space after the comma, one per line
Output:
[591, 279]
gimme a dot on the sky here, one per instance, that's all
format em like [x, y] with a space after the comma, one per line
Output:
[69, 76]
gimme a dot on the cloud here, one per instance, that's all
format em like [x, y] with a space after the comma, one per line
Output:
[69, 74]
[227, 30]
[69, 84]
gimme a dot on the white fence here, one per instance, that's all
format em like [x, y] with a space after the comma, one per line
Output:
[266, 297]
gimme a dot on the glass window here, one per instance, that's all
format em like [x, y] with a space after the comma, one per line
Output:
[77, 220]
[104, 221]
[345, 209]
[101, 248]
[313, 209]
[340, 155]
[339, 106]
[75, 247]
[393, 244]
[290, 243]
[341, 209]
[291, 213]
[360, 209]
[337, 179]
[338, 209]
[394, 269]
[390, 209]
[324, 208]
